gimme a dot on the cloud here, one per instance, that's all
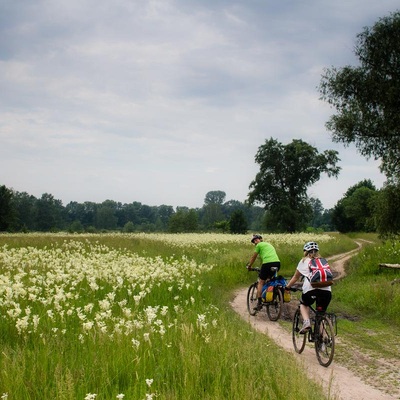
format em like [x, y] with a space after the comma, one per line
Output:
[163, 101]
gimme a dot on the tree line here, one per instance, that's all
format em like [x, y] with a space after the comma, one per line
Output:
[22, 212]
[357, 210]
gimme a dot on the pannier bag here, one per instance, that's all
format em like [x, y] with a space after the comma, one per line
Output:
[268, 288]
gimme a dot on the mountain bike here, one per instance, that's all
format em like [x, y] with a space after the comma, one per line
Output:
[273, 307]
[322, 333]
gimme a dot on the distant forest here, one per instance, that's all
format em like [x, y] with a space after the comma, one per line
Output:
[22, 212]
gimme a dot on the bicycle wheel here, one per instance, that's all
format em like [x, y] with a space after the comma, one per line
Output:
[299, 341]
[324, 341]
[252, 299]
[274, 308]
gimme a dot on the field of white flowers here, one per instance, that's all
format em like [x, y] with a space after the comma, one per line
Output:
[114, 323]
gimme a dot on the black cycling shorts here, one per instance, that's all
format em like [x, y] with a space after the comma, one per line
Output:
[266, 272]
[321, 297]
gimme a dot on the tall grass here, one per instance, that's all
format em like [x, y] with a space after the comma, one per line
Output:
[369, 290]
[139, 317]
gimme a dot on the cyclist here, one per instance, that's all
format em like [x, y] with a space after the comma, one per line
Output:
[322, 296]
[269, 259]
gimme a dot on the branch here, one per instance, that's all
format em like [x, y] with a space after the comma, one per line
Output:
[397, 266]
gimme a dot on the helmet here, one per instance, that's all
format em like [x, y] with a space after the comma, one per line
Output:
[256, 237]
[310, 246]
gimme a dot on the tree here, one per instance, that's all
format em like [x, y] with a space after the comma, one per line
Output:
[25, 206]
[106, 215]
[164, 213]
[7, 211]
[354, 212]
[184, 220]
[387, 214]
[237, 222]
[367, 97]
[286, 171]
[215, 197]
[212, 210]
[49, 213]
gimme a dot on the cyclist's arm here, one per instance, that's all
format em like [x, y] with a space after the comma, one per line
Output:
[297, 275]
[252, 259]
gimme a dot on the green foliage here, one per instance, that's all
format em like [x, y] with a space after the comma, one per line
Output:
[237, 222]
[214, 197]
[355, 211]
[129, 227]
[7, 213]
[184, 220]
[76, 227]
[367, 290]
[387, 214]
[366, 97]
[286, 172]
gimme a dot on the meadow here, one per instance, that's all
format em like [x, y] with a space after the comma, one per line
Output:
[146, 316]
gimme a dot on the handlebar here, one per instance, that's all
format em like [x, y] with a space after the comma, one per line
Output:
[293, 289]
[253, 269]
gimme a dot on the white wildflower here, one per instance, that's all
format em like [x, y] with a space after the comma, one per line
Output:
[149, 382]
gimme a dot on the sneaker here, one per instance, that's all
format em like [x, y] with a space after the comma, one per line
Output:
[258, 307]
[305, 328]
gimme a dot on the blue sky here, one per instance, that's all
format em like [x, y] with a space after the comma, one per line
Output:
[163, 101]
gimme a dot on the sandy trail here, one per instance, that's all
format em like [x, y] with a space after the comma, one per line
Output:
[338, 381]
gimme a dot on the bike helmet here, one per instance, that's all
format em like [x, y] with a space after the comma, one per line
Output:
[256, 237]
[310, 246]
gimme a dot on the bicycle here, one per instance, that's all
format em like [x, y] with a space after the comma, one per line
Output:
[273, 307]
[322, 333]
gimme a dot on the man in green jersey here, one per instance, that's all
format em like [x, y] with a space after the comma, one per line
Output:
[269, 259]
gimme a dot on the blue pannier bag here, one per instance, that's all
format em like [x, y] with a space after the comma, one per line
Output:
[268, 287]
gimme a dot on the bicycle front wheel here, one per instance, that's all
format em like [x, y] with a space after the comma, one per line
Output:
[274, 308]
[299, 341]
[252, 299]
[324, 341]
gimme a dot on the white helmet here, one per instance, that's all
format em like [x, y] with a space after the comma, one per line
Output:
[310, 246]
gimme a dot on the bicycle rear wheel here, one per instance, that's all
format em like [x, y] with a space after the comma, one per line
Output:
[252, 299]
[324, 341]
[274, 308]
[299, 341]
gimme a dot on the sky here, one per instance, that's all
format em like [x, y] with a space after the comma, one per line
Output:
[162, 101]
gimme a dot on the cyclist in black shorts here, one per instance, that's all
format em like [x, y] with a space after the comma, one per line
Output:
[269, 259]
[322, 296]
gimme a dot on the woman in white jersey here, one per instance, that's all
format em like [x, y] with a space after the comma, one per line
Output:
[322, 296]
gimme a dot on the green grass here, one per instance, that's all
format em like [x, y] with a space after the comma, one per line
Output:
[198, 349]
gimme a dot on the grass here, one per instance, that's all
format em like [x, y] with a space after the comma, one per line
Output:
[147, 316]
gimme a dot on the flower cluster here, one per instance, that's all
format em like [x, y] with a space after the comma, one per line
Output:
[82, 287]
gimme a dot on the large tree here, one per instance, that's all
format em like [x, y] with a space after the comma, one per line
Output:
[354, 212]
[286, 172]
[212, 210]
[367, 96]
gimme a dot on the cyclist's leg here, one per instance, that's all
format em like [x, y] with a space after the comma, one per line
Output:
[264, 276]
[323, 298]
[307, 299]
[261, 283]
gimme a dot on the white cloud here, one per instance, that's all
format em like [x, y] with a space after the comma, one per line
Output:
[163, 101]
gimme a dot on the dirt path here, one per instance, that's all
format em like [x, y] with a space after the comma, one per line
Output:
[339, 382]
